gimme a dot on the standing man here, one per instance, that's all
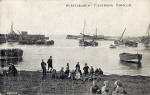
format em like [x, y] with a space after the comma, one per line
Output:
[77, 66]
[86, 69]
[50, 63]
[43, 65]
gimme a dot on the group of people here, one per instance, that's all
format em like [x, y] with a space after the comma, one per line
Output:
[12, 71]
[106, 89]
[50, 65]
[88, 73]
[72, 74]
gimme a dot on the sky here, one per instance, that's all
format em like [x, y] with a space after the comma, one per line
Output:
[52, 17]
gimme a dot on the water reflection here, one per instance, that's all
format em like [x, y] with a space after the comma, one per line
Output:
[132, 64]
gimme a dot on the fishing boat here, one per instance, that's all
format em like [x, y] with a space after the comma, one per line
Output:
[129, 57]
[83, 42]
[11, 55]
[146, 39]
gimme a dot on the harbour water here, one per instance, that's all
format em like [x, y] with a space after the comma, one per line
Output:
[67, 50]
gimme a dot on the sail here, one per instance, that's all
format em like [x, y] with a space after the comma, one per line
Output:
[122, 35]
[147, 38]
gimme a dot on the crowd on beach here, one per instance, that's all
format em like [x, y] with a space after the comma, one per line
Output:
[88, 74]
[74, 74]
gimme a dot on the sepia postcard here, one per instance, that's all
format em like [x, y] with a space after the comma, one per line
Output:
[74, 47]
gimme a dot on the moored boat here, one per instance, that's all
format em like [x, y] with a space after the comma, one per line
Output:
[130, 57]
[87, 43]
[83, 42]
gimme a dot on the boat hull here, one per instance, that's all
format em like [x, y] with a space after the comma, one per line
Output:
[131, 44]
[129, 56]
[86, 43]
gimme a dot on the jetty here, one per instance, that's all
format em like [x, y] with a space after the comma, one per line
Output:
[33, 83]
[2, 38]
[10, 56]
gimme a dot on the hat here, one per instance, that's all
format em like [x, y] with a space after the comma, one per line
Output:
[118, 83]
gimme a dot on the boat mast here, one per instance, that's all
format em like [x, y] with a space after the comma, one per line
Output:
[11, 29]
[83, 30]
[96, 33]
[122, 34]
[148, 34]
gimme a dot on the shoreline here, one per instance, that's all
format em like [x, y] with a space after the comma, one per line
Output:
[31, 82]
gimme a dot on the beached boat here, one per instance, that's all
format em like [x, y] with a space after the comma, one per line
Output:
[83, 42]
[10, 55]
[131, 44]
[130, 57]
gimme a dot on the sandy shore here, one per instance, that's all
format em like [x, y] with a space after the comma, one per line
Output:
[31, 82]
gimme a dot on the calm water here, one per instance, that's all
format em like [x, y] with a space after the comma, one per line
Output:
[66, 50]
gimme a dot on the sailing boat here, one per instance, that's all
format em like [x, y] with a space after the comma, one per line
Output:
[120, 41]
[128, 43]
[147, 39]
[83, 42]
